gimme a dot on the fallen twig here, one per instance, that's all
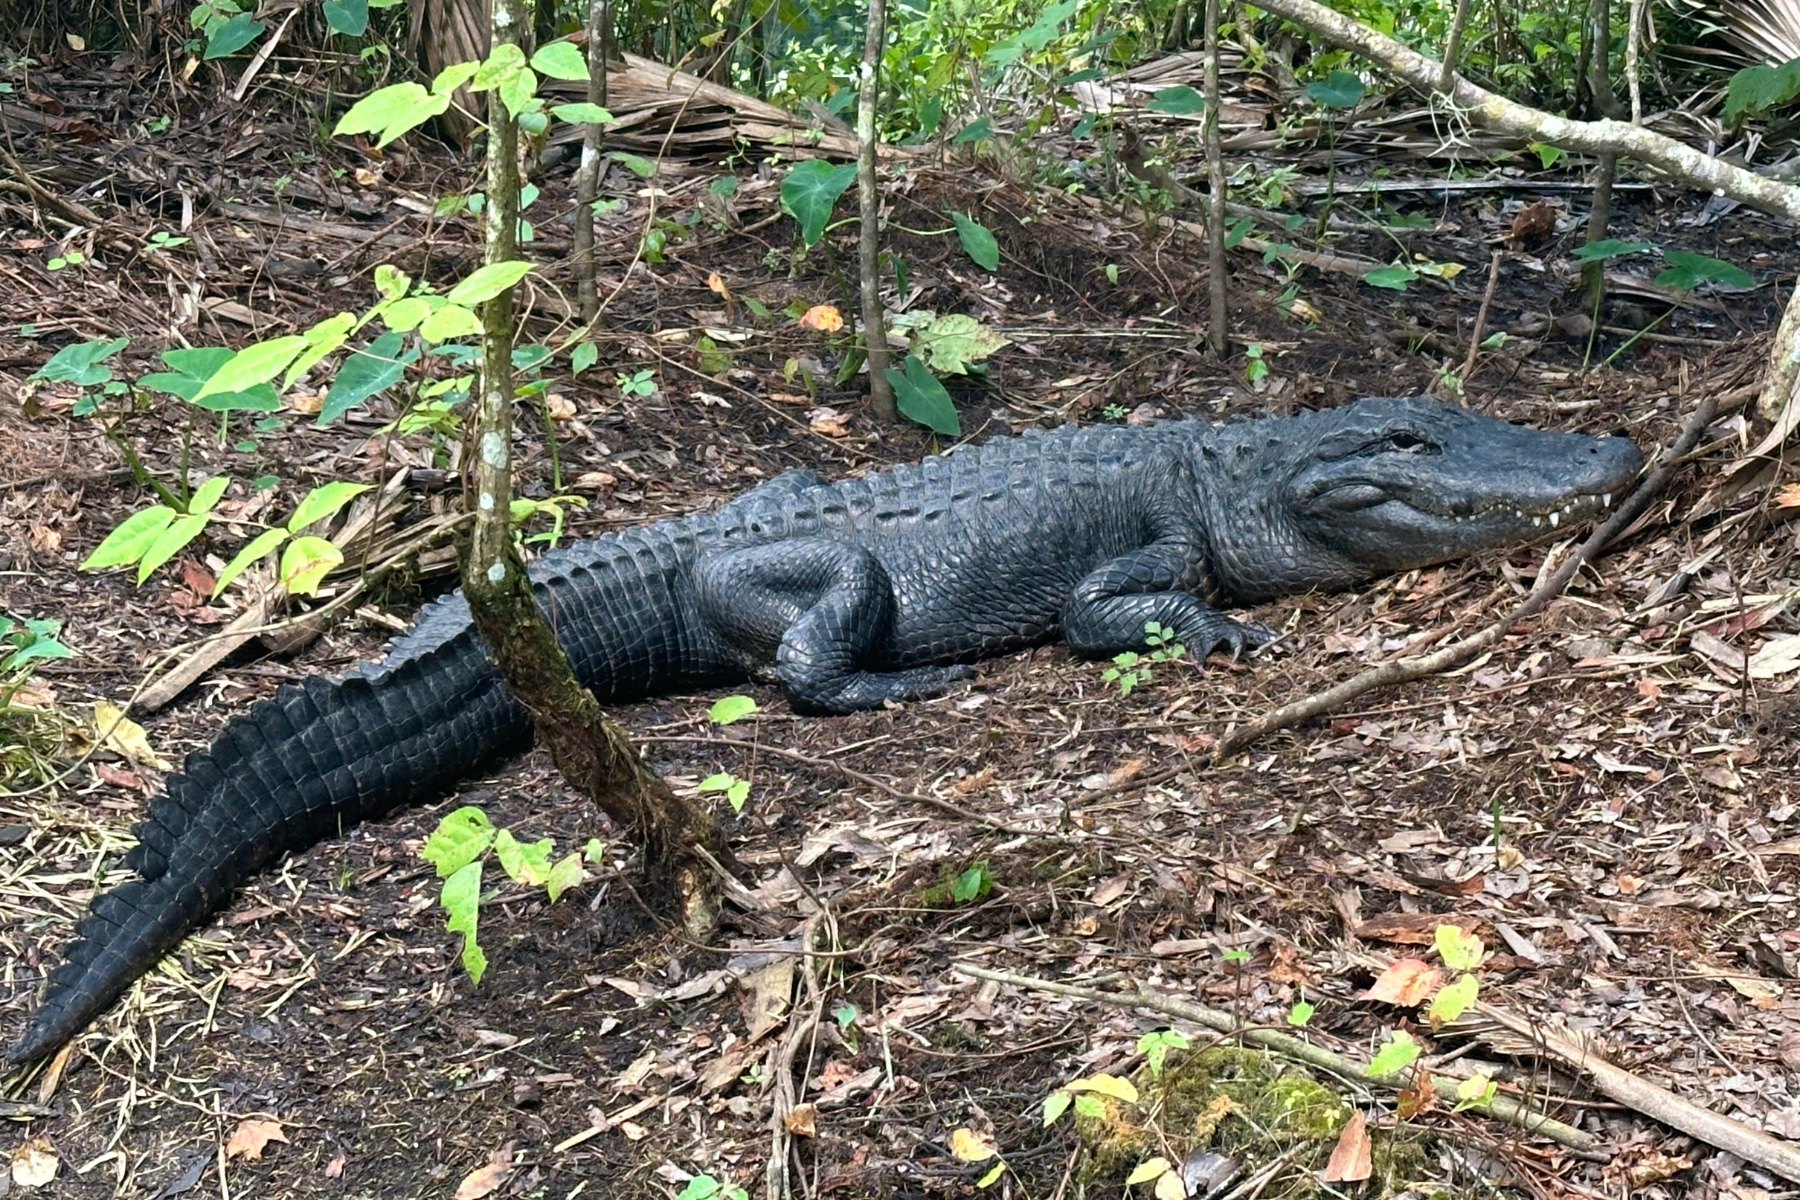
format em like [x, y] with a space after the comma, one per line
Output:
[1505, 1108]
[1406, 670]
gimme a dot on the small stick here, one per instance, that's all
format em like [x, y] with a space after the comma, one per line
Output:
[1406, 670]
[1487, 298]
[1502, 1107]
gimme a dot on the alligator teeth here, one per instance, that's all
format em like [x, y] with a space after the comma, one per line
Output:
[1606, 500]
[1536, 521]
[1554, 518]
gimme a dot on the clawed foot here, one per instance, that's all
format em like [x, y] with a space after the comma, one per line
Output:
[1223, 633]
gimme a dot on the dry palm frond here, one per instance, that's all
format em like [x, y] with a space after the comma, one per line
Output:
[1766, 31]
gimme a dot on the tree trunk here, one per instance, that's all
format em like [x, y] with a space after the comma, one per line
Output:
[868, 196]
[587, 177]
[592, 754]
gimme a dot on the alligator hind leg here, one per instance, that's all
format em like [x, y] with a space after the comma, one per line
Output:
[1108, 610]
[821, 612]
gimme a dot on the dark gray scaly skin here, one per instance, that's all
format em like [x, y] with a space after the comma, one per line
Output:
[850, 594]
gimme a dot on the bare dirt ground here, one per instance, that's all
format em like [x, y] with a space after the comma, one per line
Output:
[1609, 798]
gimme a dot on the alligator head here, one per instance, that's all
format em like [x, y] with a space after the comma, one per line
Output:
[1336, 497]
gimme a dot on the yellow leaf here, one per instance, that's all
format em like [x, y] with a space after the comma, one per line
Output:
[969, 1146]
[119, 733]
[823, 317]
[1147, 1170]
[1170, 1187]
[1474, 1087]
[1107, 1085]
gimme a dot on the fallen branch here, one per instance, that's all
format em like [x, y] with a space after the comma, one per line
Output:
[1658, 1103]
[1504, 1108]
[1406, 670]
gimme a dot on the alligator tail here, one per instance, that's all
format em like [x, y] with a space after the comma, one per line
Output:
[291, 771]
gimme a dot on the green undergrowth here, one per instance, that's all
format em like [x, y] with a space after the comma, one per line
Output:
[1252, 1108]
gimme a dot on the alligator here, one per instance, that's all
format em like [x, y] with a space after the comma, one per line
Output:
[851, 594]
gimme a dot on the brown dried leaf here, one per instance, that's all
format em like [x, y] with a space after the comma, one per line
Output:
[1351, 1159]
[251, 1136]
[1407, 983]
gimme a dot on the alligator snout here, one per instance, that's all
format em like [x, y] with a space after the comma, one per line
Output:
[1611, 464]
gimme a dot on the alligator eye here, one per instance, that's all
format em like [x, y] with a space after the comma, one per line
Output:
[1407, 443]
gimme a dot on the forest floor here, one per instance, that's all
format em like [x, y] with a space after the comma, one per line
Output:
[1609, 798]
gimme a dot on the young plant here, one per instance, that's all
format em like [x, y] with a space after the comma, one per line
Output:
[1131, 670]
[724, 711]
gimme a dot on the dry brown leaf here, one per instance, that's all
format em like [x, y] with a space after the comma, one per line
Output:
[823, 317]
[802, 1120]
[1420, 1098]
[250, 1137]
[125, 736]
[828, 421]
[487, 1178]
[335, 1168]
[1412, 929]
[1111, 889]
[1408, 983]
[35, 1163]
[1351, 1159]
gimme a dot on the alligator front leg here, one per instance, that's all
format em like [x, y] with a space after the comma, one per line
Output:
[1108, 610]
[820, 611]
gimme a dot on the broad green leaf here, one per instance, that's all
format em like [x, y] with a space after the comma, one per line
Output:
[1687, 271]
[190, 369]
[737, 794]
[920, 397]
[518, 92]
[560, 60]
[583, 114]
[348, 17]
[506, 61]
[180, 532]
[526, 862]
[321, 339]
[1548, 155]
[1395, 1055]
[977, 242]
[259, 548]
[367, 372]
[453, 77]
[1056, 1104]
[1116, 1086]
[1393, 278]
[81, 363]
[719, 782]
[305, 563]
[974, 131]
[406, 314]
[323, 501]
[1178, 101]
[40, 647]
[972, 884]
[1155, 1047]
[1461, 951]
[208, 493]
[1033, 38]
[637, 164]
[727, 709]
[1453, 999]
[1340, 89]
[1090, 1106]
[1301, 1012]
[449, 321]
[458, 840]
[1607, 248]
[1757, 89]
[392, 111]
[582, 357]
[567, 873]
[992, 1174]
[233, 36]
[461, 898]
[486, 282]
[127, 543]
[254, 364]
[951, 342]
[809, 192]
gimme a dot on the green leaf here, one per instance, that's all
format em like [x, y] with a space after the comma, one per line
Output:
[459, 839]
[1548, 155]
[254, 364]
[348, 17]
[1393, 278]
[1340, 89]
[977, 242]
[526, 862]
[1056, 1104]
[718, 782]
[258, 548]
[974, 131]
[323, 501]
[567, 873]
[1755, 90]
[972, 884]
[207, 494]
[560, 60]
[948, 344]
[1155, 1047]
[1178, 101]
[1395, 1055]
[1032, 39]
[367, 372]
[920, 397]
[179, 533]
[727, 709]
[583, 114]
[1115, 1087]
[1460, 951]
[737, 793]
[449, 321]
[486, 282]
[519, 93]
[809, 192]
[1452, 1000]
[992, 1174]
[1301, 1012]
[81, 363]
[190, 369]
[1607, 248]
[506, 61]
[585, 355]
[461, 898]
[406, 314]
[127, 543]
[305, 563]
[1688, 271]
[392, 111]
[453, 77]
[233, 36]
[637, 164]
